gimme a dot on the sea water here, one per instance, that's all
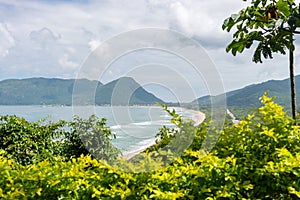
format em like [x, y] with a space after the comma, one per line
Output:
[134, 130]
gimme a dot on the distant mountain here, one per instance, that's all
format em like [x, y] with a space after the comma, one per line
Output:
[249, 96]
[124, 91]
[51, 91]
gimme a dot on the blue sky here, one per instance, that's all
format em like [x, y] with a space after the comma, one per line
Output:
[54, 38]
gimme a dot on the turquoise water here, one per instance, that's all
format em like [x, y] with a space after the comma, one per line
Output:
[134, 126]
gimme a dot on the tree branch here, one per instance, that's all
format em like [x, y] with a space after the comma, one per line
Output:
[296, 32]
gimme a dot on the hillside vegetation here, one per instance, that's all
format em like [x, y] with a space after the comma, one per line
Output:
[258, 158]
[45, 91]
[247, 96]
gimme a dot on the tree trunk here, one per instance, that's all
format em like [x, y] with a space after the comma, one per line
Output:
[292, 79]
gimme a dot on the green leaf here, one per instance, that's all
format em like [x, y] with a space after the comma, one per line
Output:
[235, 16]
[228, 24]
[283, 7]
[260, 13]
[294, 191]
[294, 20]
[236, 46]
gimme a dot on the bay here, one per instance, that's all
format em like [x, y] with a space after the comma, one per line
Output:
[135, 129]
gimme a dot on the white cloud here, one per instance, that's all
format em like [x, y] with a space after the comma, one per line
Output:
[71, 50]
[94, 44]
[7, 40]
[203, 19]
[66, 63]
[43, 37]
[51, 38]
[182, 15]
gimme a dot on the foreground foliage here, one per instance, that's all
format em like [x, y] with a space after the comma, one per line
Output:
[258, 158]
[31, 142]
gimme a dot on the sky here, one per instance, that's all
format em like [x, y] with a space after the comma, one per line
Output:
[52, 38]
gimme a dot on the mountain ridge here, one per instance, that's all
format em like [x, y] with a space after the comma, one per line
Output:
[57, 91]
[249, 95]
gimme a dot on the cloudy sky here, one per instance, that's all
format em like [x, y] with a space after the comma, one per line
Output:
[54, 38]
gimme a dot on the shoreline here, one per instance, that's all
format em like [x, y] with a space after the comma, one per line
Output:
[134, 153]
[200, 118]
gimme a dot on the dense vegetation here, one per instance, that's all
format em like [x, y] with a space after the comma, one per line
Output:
[258, 158]
[31, 142]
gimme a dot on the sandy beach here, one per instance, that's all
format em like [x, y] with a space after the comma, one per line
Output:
[198, 118]
[130, 155]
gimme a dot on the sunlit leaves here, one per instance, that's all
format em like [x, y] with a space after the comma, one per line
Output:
[284, 7]
[258, 158]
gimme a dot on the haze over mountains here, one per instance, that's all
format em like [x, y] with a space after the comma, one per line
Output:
[249, 95]
[53, 91]
[123, 91]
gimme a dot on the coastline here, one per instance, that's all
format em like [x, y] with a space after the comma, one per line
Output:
[200, 116]
[134, 153]
[197, 121]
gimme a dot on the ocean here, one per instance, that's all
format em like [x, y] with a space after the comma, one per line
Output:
[135, 130]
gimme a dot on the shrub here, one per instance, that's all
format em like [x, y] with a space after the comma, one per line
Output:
[90, 137]
[258, 158]
[30, 142]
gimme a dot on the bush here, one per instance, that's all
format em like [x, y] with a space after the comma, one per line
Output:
[258, 158]
[31, 142]
[90, 137]
[28, 142]
[259, 144]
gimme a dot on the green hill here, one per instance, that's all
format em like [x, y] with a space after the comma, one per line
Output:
[123, 90]
[248, 96]
[51, 91]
